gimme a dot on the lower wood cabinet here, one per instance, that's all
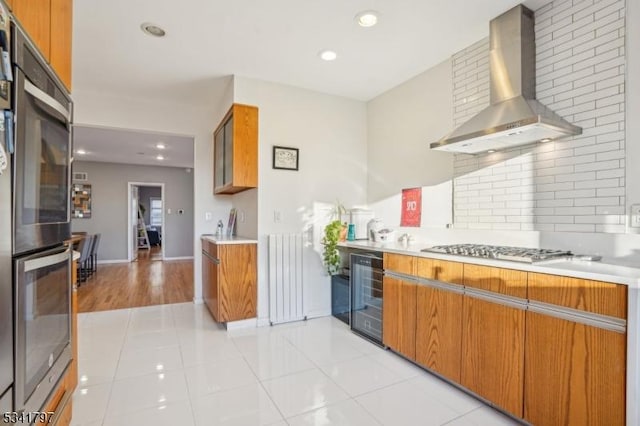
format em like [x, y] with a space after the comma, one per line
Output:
[60, 402]
[574, 373]
[493, 353]
[229, 277]
[399, 318]
[439, 330]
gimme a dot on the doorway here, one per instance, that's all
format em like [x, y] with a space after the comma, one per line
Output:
[146, 240]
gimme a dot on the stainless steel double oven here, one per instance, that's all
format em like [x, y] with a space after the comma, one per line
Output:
[41, 223]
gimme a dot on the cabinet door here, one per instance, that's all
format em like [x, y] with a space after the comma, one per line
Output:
[218, 159]
[493, 353]
[575, 373]
[35, 17]
[228, 152]
[399, 316]
[61, 30]
[237, 281]
[439, 330]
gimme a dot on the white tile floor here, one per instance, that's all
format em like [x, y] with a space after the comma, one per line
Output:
[172, 365]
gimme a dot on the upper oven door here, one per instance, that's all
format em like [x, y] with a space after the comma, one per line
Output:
[42, 162]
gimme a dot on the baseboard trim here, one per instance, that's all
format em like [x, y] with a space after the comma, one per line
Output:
[198, 301]
[263, 322]
[235, 325]
[179, 258]
[101, 262]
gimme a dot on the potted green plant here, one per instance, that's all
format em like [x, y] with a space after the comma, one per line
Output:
[334, 232]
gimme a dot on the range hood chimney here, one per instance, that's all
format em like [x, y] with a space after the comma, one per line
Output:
[514, 117]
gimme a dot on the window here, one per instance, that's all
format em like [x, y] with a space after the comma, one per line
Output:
[156, 212]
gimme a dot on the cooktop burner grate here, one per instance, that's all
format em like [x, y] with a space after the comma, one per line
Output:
[516, 254]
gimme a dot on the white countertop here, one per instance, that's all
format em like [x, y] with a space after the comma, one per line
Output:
[76, 255]
[224, 239]
[606, 270]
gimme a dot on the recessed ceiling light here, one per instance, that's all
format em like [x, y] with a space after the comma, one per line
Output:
[546, 140]
[160, 157]
[152, 29]
[81, 152]
[368, 18]
[160, 146]
[491, 151]
[328, 55]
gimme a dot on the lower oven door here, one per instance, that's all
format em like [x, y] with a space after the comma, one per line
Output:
[42, 325]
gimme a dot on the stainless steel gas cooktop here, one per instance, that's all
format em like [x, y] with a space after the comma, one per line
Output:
[517, 254]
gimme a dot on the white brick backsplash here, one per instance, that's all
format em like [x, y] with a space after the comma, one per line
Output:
[574, 228]
[574, 184]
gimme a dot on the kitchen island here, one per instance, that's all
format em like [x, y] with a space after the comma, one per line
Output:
[521, 336]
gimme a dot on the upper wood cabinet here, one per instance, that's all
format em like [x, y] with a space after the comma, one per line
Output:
[236, 150]
[49, 25]
[399, 318]
[9, 3]
[35, 17]
[61, 31]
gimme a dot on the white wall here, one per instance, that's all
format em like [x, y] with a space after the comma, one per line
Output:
[109, 208]
[101, 109]
[400, 125]
[330, 133]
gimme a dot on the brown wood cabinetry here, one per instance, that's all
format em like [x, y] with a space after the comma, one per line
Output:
[439, 330]
[493, 352]
[574, 373]
[498, 280]
[229, 280]
[399, 263]
[235, 148]
[586, 295]
[399, 318]
[49, 25]
[9, 3]
[60, 403]
[439, 318]
[35, 18]
[61, 31]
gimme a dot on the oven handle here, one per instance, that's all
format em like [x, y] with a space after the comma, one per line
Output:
[46, 99]
[42, 262]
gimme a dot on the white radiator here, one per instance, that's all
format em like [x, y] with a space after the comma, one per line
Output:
[285, 278]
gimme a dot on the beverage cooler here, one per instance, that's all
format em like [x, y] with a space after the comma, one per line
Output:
[366, 295]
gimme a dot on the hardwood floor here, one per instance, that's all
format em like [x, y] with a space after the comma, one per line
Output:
[154, 253]
[140, 283]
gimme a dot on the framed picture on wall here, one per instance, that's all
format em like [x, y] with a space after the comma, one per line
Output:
[285, 158]
[81, 196]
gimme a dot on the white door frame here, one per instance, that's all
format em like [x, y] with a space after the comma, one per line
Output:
[130, 214]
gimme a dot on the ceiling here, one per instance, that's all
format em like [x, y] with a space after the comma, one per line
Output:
[131, 147]
[275, 40]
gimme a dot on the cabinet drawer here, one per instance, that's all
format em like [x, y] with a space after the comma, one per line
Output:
[440, 270]
[399, 263]
[498, 280]
[592, 296]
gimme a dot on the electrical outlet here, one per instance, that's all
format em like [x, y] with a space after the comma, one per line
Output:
[241, 216]
[635, 216]
[276, 216]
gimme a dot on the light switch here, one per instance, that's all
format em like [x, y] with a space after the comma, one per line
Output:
[241, 216]
[635, 216]
[276, 216]
[168, 211]
[207, 216]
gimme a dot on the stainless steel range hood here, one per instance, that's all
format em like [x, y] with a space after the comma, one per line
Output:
[514, 117]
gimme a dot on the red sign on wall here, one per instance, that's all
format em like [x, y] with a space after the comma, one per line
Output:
[411, 207]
